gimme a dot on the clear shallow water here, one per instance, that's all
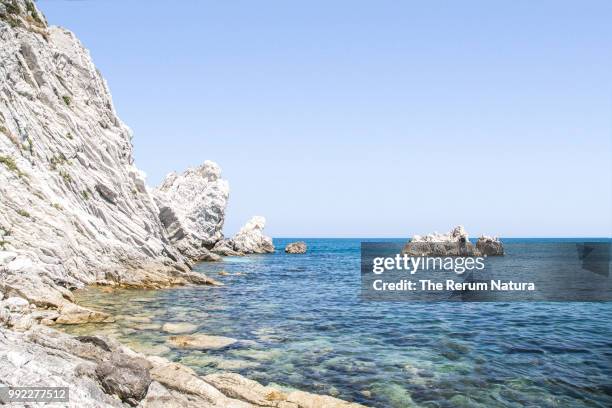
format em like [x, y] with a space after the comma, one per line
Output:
[305, 327]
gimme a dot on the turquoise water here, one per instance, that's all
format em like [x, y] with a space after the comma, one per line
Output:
[303, 326]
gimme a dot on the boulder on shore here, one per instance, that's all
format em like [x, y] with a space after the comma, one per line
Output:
[124, 376]
[296, 248]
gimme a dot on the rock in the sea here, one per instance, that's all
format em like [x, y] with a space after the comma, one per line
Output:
[192, 208]
[296, 248]
[454, 243]
[251, 240]
[201, 342]
[490, 246]
[124, 376]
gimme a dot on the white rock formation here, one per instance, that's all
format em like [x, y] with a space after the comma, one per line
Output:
[192, 208]
[454, 243]
[251, 240]
[454, 235]
[74, 210]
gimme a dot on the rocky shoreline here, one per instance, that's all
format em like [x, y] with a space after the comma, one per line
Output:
[75, 211]
[101, 372]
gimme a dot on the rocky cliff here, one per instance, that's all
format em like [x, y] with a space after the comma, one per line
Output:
[74, 209]
[192, 209]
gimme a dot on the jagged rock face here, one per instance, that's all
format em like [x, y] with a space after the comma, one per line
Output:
[192, 208]
[251, 240]
[74, 209]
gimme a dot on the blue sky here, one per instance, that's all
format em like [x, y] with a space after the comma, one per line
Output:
[370, 118]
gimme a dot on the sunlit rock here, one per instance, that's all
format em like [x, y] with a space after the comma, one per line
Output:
[296, 248]
[251, 239]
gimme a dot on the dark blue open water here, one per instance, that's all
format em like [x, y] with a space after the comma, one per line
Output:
[307, 328]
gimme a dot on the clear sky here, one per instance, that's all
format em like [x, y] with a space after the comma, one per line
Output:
[370, 118]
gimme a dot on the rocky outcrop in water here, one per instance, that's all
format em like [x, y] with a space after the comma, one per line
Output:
[454, 243]
[296, 248]
[490, 246]
[192, 209]
[251, 239]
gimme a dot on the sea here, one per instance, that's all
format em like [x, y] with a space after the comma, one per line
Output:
[302, 324]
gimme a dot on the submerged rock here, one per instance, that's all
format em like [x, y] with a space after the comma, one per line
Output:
[296, 248]
[179, 328]
[201, 341]
[251, 240]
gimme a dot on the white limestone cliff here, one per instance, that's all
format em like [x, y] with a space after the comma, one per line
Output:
[74, 209]
[192, 209]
